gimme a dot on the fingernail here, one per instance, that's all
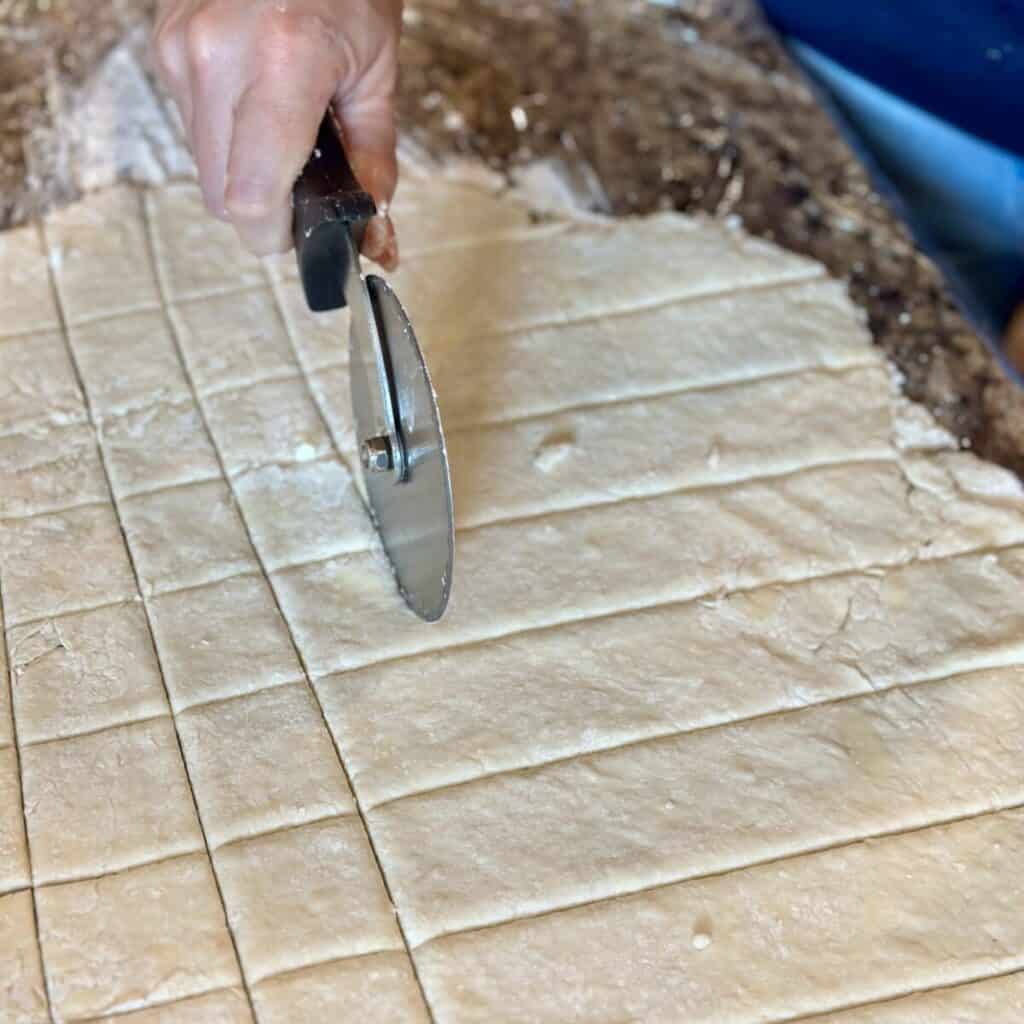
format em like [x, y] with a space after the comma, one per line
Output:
[380, 243]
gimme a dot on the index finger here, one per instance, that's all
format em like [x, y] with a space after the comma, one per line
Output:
[275, 127]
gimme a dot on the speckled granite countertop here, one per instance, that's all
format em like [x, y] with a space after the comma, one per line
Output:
[690, 105]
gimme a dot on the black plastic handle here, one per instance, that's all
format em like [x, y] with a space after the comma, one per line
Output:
[327, 201]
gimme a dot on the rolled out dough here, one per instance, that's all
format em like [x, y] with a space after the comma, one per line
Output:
[726, 720]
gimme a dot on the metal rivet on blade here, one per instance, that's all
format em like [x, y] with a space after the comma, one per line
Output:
[375, 454]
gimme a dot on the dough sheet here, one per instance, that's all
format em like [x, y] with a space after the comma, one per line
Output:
[725, 723]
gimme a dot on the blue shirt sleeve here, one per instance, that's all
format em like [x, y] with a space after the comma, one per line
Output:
[961, 60]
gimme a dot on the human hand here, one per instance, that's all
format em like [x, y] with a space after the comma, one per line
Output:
[252, 79]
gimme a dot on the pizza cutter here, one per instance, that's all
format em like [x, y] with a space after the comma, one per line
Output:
[397, 424]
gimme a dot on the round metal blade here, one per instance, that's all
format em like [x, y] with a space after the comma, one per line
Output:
[414, 514]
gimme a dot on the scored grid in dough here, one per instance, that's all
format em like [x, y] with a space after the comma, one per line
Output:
[261, 763]
[293, 511]
[38, 379]
[587, 686]
[42, 558]
[105, 232]
[74, 918]
[102, 802]
[157, 447]
[221, 1006]
[50, 469]
[131, 362]
[13, 853]
[930, 533]
[84, 672]
[829, 912]
[205, 513]
[250, 334]
[271, 422]
[994, 1000]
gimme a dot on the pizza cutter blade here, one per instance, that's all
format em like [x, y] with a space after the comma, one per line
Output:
[397, 423]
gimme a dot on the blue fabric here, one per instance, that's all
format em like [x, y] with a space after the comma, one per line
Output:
[961, 60]
[931, 97]
[962, 197]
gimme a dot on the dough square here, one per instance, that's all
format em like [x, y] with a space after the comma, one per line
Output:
[85, 671]
[27, 301]
[335, 609]
[275, 421]
[46, 468]
[196, 254]
[225, 1006]
[321, 339]
[304, 511]
[21, 970]
[186, 536]
[106, 801]
[261, 762]
[37, 380]
[153, 933]
[333, 393]
[379, 988]
[46, 571]
[100, 256]
[14, 871]
[162, 445]
[305, 895]
[234, 340]
[586, 456]
[129, 362]
[222, 640]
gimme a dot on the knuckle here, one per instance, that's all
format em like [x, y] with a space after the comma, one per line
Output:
[205, 38]
[250, 201]
[291, 35]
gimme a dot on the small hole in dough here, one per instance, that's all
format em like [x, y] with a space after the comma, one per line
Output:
[702, 936]
[554, 450]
